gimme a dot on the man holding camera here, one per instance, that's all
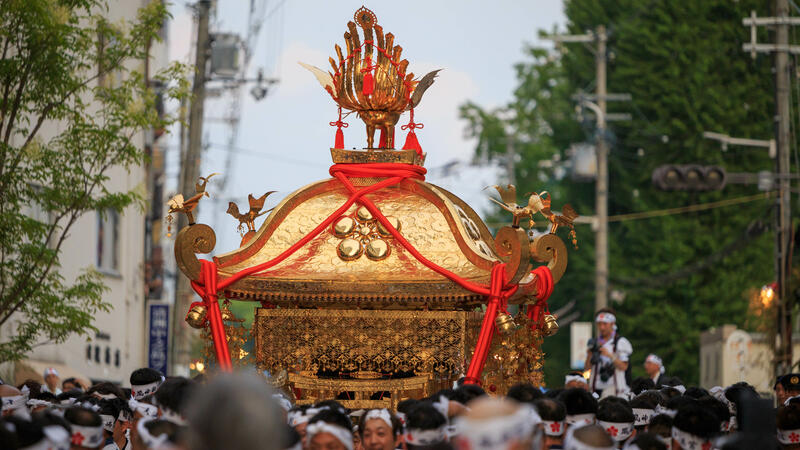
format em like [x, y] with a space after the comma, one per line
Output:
[608, 356]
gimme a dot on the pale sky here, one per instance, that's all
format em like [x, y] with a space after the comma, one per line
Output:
[284, 139]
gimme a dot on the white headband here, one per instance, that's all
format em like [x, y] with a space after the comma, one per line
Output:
[172, 416]
[619, 431]
[381, 414]
[342, 435]
[642, 416]
[104, 396]
[415, 436]
[443, 406]
[788, 436]
[108, 422]
[688, 441]
[580, 419]
[14, 402]
[123, 416]
[35, 403]
[401, 416]
[497, 432]
[654, 359]
[282, 401]
[55, 437]
[87, 436]
[572, 443]
[663, 410]
[147, 438]
[299, 417]
[141, 391]
[144, 409]
[554, 427]
[578, 378]
[606, 317]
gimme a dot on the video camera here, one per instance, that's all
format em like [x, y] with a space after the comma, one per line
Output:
[604, 370]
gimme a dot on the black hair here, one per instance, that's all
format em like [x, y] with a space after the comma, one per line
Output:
[660, 424]
[333, 417]
[715, 406]
[332, 404]
[740, 392]
[676, 403]
[48, 417]
[106, 388]
[469, 392]
[695, 392]
[145, 375]
[671, 381]
[697, 421]
[449, 394]
[397, 425]
[112, 407]
[643, 402]
[578, 401]
[648, 441]
[524, 393]
[550, 409]
[27, 433]
[553, 393]
[44, 395]
[83, 417]
[8, 435]
[174, 393]
[34, 386]
[160, 427]
[669, 392]
[71, 380]
[407, 405]
[424, 416]
[641, 384]
[68, 395]
[788, 417]
[615, 409]
[656, 397]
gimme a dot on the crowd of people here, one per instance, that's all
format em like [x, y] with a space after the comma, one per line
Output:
[603, 410]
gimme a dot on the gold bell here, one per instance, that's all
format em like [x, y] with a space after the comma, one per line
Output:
[505, 323]
[196, 317]
[550, 325]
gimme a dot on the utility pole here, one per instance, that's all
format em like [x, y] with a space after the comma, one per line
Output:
[190, 170]
[511, 156]
[783, 218]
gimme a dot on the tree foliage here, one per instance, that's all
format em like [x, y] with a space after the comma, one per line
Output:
[683, 65]
[73, 104]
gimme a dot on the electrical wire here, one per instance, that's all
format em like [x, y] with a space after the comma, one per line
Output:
[692, 208]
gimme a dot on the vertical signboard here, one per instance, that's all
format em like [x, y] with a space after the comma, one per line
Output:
[158, 336]
[579, 335]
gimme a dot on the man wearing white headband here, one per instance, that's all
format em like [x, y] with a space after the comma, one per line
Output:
[145, 382]
[87, 428]
[608, 357]
[575, 379]
[379, 430]
[694, 427]
[588, 437]
[498, 424]
[51, 380]
[654, 368]
[14, 402]
[425, 427]
[554, 416]
[616, 417]
[329, 430]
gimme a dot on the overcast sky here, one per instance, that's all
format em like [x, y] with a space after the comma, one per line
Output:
[284, 140]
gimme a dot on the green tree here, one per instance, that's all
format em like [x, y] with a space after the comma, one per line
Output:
[683, 64]
[73, 103]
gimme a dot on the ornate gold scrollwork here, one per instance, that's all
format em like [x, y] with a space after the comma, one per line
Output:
[512, 245]
[197, 238]
[550, 248]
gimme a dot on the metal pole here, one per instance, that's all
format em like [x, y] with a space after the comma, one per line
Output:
[601, 190]
[783, 230]
[190, 170]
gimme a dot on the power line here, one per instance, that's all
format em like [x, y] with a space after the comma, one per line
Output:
[691, 208]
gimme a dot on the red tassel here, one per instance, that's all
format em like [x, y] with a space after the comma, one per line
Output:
[369, 84]
[412, 143]
[339, 139]
[382, 142]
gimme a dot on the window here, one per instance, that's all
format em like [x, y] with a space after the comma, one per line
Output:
[108, 241]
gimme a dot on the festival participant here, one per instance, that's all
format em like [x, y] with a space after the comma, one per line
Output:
[608, 356]
[524, 393]
[791, 386]
[466, 393]
[56, 429]
[643, 408]
[86, 428]
[719, 409]
[425, 427]
[587, 437]
[145, 382]
[654, 367]
[380, 430]
[122, 427]
[106, 391]
[615, 415]
[330, 430]
[575, 379]
[14, 402]
[641, 384]
[646, 441]
[109, 412]
[155, 434]
[234, 412]
[51, 381]
[32, 387]
[171, 398]
[788, 422]
[581, 407]
[497, 424]
[554, 415]
[661, 427]
[404, 407]
[694, 427]
[41, 402]
[70, 384]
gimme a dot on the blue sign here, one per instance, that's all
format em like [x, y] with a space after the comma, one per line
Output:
[158, 337]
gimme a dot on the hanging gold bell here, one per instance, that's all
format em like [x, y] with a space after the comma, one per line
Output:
[196, 317]
[505, 323]
[550, 325]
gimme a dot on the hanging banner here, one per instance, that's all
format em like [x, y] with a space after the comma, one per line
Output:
[158, 336]
[579, 335]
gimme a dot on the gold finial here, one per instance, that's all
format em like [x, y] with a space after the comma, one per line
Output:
[365, 18]
[248, 218]
[179, 204]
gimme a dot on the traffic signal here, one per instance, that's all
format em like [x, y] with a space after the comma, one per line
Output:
[689, 177]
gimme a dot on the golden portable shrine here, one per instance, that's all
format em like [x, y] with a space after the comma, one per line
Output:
[375, 285]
